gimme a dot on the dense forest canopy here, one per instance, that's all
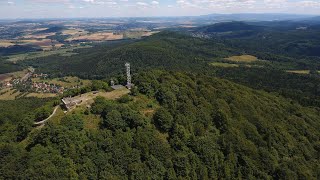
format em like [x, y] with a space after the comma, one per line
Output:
[203, 128]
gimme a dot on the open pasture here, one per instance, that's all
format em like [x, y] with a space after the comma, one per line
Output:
[224, 65]
[242, 58]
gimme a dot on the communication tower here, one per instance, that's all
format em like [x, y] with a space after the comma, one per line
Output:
[129, 84]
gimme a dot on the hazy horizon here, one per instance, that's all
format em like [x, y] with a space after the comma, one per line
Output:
[33, 9]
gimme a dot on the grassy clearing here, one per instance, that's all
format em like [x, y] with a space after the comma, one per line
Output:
[242, 58]
[114, 94]
[41, 95]
[57, 116]
[299, 71]
[67, 82]
[224, 65]
[144, 105]
[91, 121]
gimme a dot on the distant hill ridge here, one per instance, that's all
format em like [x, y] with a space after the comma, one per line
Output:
[228, 26]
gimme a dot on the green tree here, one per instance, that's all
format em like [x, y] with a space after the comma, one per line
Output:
[24, 127]
[73, 122]
[163, 119]
[114, 121]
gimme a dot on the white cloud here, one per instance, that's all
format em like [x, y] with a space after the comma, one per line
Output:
[155, 3]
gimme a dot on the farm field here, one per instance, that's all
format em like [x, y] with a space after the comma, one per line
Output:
[8, 94]
[9, 76]
[224, 65]
[242, 58]
[44, 44]
[4, 77]
[6, 43]
[74, 31]
[37, 36]
[101, 36]
[32, 55]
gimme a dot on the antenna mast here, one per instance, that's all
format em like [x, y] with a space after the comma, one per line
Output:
[128, 75]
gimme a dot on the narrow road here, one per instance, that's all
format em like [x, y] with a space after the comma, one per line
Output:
[44, 121]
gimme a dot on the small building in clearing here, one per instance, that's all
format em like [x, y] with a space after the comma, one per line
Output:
[70, 103]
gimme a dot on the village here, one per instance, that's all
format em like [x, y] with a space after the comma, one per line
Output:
[27, 83]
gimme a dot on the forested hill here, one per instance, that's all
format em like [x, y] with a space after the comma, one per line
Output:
[200, 127]
[229, 27]
[177, 52]
[295, 39]
[166, 50]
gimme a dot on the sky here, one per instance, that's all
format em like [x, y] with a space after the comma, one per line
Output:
[145, 8]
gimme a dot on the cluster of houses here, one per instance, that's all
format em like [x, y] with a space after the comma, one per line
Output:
[11, 83]
[40, 75]
[47, 88]
[26, 83]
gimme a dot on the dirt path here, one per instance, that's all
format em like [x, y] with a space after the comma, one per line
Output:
[44, 121]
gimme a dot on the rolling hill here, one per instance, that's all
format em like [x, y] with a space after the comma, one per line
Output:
[200, 127]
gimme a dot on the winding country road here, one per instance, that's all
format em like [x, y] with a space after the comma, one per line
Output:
[44, 121]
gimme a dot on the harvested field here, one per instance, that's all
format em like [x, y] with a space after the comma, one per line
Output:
[74, 32]
[106, 36]
[4, 77]
[5, 43]
[37, 36]
[242, 58]
[42, 42]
